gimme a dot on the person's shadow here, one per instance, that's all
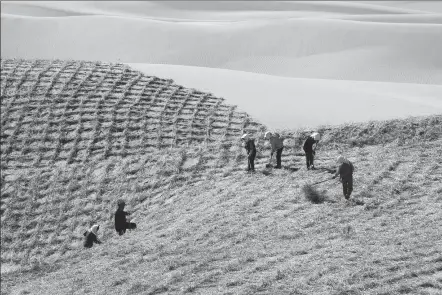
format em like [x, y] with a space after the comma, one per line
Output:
[291, 169]
[268, 169]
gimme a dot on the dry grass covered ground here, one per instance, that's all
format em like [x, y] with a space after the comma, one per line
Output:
[78, 111]
[205, 226]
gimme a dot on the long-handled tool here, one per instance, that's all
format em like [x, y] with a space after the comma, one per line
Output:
[269, 165]
[321, 181]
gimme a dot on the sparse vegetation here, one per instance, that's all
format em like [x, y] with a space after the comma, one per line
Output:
[76, 136]
[312, 195]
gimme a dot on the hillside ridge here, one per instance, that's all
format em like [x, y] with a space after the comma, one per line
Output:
[77, 111]
[77, 136]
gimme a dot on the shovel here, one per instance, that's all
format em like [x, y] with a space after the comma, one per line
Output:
[269, 165]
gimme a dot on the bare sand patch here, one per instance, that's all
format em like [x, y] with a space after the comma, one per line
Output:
[293, 102]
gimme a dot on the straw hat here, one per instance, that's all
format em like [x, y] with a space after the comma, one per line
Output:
[316, 136]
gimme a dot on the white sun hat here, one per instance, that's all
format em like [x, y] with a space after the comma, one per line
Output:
[245, 136]
[94, 229]
[316, 136]
[341, 159]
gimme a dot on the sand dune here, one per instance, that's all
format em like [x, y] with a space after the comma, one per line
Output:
[429, 6]
[211, 10]
[287, 102]
[327, 40]
[397, 18]
[311, 48]
[322, 40]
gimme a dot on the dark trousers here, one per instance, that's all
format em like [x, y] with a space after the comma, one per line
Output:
[128, 225]
[309, 158]
[251, 161]
[347, 187]
[278, 157]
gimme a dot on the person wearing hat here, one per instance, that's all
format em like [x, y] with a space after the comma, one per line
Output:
[91, 236]
[277, 145]
[345, 171]
[249, 145]
[121, 223]
[310, 152]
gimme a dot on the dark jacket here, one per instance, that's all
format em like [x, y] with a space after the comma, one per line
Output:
[250, 146]
[308, 144]
[346, 171]
[120, 219]
[90, 239]
[276, 142]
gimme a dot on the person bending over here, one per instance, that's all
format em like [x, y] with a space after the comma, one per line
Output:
[345, 172]
[310, 152]
[277, 145]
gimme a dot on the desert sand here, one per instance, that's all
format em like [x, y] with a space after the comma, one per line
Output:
[288, 64]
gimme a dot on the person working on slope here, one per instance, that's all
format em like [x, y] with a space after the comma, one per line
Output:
[249, 144]
[345, 170]
[310, 152]
[91, 236]
[277, 145]
[121, 223]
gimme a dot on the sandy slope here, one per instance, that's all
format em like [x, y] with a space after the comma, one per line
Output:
[371, 41]
[214, 10]
[286, 102]
[321, 40]
[429, 6]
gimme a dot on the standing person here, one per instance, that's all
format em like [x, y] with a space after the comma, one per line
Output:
[91, 236]
[345, 172]
[249, 144]
[121, 223]
[277, 145]
[310, 152]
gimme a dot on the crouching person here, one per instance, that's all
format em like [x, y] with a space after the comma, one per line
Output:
[345, 171]
[121, 223]
[277, 146]
[90, 236]
[249, 144]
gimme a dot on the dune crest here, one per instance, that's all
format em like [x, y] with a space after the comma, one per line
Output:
[323, 40]
[294, 102]
[309, 48]
[211, 10]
